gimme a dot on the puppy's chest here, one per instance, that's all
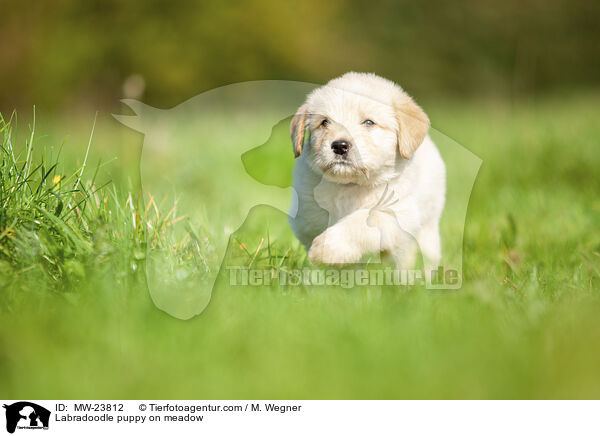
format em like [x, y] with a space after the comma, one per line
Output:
[341, 200]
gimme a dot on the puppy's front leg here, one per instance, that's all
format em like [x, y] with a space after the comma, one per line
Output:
[347, 241]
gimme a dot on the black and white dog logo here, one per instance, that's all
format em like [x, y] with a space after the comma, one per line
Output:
[26, 415]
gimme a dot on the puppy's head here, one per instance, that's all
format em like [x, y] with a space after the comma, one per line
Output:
[358, 128]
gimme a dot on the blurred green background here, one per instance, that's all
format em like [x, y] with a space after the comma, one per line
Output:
[67, 53]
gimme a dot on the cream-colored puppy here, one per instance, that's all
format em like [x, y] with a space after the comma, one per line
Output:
[368, 178]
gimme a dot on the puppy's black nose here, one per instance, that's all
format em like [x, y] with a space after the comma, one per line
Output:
[340, 147]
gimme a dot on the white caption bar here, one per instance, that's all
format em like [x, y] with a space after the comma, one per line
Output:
[23, 417]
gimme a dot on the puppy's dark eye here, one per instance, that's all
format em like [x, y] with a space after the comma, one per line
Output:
[368, 123]
[325, 123]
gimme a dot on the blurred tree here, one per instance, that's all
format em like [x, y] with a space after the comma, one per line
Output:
[70, 52]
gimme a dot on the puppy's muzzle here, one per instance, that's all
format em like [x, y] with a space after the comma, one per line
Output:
[340, 147]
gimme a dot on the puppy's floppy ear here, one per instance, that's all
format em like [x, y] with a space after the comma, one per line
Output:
[413, 125]
[297, 127]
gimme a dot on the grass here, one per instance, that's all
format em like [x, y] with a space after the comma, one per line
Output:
[76, 320]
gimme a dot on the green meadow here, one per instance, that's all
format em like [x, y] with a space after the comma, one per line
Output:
[77, 320]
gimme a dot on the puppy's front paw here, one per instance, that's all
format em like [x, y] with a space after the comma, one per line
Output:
[334, 248]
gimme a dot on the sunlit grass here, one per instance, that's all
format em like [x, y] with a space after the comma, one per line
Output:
[76, 319]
